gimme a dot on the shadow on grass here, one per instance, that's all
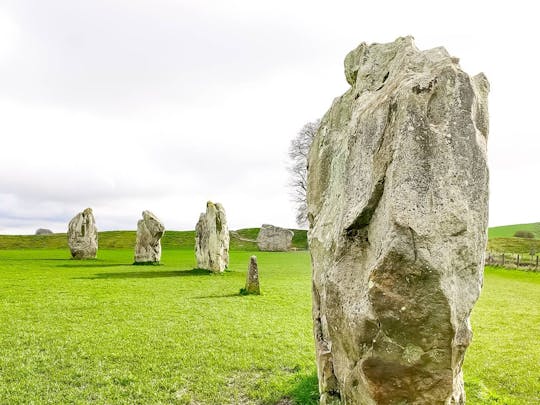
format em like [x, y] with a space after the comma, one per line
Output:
[146, 274]
[41, 259]
[202, 297]
[306, 391]
[92, 264]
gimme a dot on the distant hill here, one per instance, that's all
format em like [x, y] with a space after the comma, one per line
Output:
[508, 231]
[501, 238]
[242, 239]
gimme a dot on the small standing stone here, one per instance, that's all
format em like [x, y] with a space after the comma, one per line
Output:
[148, 245]
[83, 235]
[252, 279]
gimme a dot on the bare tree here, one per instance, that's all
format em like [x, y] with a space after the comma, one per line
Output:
[298, 153]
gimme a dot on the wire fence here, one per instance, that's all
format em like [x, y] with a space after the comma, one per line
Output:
[513, 260]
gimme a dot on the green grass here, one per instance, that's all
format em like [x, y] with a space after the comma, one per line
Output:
[502, 364]
[513, 245]
[508, 231]
[108, 332]
[104, 331]
[501, 238]
[126, 240]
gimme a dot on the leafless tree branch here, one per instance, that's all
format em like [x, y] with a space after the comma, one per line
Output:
[298, 153]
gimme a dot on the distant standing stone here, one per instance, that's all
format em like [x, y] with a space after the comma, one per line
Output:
[252, 279]
[212, 239]
[43, 231]
[274, 239]
[83, 235]
[148, 244]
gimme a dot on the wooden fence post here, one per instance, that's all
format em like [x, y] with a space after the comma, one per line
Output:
[503, 259]
[517, 261]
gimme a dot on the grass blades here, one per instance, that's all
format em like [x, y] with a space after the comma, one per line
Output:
[105, 331]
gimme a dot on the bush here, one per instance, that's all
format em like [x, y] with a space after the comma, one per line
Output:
[524, 234]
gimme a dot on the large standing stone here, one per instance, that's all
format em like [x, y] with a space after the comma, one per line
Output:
[83, 236]
[274, 239]
[43, 231]
[398, 207]
[212, 239]
[252, 278]
[148, 244]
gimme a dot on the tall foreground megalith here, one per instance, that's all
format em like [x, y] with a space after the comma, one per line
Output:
[83, 235]
[212, 239]
[398, 208]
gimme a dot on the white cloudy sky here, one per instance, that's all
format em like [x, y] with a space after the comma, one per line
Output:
[125, 105]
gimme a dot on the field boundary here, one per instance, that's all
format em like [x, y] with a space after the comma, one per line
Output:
[512, 261]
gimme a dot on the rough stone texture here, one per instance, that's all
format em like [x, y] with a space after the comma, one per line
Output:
[43, 231]
[83, 235]
[212, 239]
[397, 203]
[252, 279]
[148, 244]
[274, 239]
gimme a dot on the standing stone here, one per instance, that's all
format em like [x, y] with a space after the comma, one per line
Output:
[252, 279]
[43, 231]
[398, 208]
[212, 239]
[148, 244]
[274, 239]
[83, 236]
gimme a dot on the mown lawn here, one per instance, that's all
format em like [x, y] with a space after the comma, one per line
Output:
[104, 331]
[502, 366]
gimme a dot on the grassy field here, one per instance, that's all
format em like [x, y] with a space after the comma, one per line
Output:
[501, 239]
[514, 245]
[508, 231]
[104, 331]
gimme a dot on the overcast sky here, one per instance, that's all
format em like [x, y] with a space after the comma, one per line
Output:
[126, 105]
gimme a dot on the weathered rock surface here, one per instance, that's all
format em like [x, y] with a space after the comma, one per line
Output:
[83, 235]
[274, 239]
[148, 244]
[212, 239]
[252, 279]
[398, 208]
[43, 231]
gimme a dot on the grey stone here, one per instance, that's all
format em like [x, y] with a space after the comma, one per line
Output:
[252, 278]
[43, 231]
[148, 244]
[212, 239]
[398, 209]
[83, 235]
[274, 239]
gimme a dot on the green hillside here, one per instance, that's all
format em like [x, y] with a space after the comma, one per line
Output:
[508, 231]
[242, 239]
[501, 239]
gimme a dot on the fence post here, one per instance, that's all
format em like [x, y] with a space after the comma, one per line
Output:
[503, 259]
[517, 261]
[536, 262]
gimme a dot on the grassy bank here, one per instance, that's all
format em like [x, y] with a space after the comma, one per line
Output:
[107, 332]
[126, 240]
